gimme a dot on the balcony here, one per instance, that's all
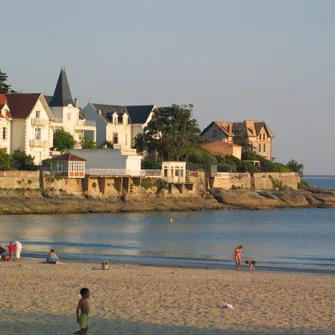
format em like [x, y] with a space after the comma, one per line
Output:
[39, 143]
[85, 124]
[39, 122]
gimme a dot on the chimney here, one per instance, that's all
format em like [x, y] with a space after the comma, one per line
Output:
[76, 102]
[230, 128]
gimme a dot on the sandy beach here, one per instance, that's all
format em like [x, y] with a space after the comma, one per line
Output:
[129, 299]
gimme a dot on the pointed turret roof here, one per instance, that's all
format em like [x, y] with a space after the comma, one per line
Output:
[62, 95]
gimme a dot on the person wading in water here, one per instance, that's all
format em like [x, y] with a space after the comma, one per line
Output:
[237, 256]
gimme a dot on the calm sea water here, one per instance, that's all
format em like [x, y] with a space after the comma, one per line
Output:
[323, 182]
[287, 240]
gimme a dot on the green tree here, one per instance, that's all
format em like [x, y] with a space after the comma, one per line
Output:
[87, 143]
[5, 160]
[243, 142]
[4, 88]
[63, 140]
[294, 166]
[168, 132]
[25, 162]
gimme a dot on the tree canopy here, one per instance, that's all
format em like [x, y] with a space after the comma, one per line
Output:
[169, 132]
[63, 140]
[87, 143]
[294, 166]
[5, 160]
[3, 79]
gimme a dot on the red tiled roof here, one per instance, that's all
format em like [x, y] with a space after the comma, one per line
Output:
[2, 99]
[21, 104]
[68, 157]
[9, 115]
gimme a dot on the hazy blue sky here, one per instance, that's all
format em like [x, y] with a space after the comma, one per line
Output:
[233, 60]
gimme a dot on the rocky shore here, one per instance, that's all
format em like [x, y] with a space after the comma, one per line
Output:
[39, 202]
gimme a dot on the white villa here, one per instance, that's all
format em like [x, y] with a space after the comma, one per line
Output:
[66, 111]
[5, 123]
[31, 130]
[118, 125]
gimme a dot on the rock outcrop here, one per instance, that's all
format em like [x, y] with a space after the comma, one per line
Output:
[38, 202]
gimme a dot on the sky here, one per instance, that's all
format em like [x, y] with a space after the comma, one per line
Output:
[233, 60]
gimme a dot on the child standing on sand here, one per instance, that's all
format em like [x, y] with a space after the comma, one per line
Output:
[83, 318]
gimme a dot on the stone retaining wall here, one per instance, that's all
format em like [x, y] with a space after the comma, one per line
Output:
[20, 179]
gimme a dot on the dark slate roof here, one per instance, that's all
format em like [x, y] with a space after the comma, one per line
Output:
[139, 114]
[48, 99]
[22, 104]
[108, 110]
[68, 157]
[62, 95]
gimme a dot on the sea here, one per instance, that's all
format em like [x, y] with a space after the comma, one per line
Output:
[289, 240]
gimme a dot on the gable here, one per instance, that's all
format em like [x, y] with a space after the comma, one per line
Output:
[21, 104]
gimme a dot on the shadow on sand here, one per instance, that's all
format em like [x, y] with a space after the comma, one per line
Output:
[42, 324]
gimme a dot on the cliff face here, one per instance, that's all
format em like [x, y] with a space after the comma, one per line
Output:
[39, 202]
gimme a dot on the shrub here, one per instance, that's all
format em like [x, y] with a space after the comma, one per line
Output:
[137, 181]
[276, 184]
[94, 184]
[303, 185]
[161, 184]
[25, 162]
[46, 162]
[5, 160]
[147, 183]
[29, 181]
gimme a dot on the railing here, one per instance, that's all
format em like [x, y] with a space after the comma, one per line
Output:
[124, 172]
[128, 151]
[39, 143]
[86, 123]
[35, 121]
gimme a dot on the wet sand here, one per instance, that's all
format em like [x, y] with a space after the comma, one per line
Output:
[130, 299]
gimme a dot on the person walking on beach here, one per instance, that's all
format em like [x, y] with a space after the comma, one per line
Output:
[18, 249]
[237, 256]
[83, 318]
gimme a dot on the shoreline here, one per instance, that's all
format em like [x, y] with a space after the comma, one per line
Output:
[225, 267]
[129, 299]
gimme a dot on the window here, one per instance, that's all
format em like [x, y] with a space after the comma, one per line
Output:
[165, 172]
[264, 137]
[115, 120]
[37, 133]
[260, 136]
[214, 133]
[264, 147]
[38, 114]
[176, 171]
[4, 133]
[69, 116]
[115, 138]
[259, 147]
[125, 139]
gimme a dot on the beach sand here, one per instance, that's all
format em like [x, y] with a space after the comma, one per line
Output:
[40, 298]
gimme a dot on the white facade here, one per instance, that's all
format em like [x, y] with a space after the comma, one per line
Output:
[5, 128]
[33, 135]
[67, 117]
[116, 130]
[174, 172]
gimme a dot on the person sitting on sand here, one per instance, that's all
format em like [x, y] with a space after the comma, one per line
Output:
[251, 264]
[52, 258]
[2, 250]
[237, 256]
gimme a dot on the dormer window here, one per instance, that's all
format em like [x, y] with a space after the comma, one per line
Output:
[264, 137]
[125, 119]
[38, 114]
[115, 118]
[260, 136]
